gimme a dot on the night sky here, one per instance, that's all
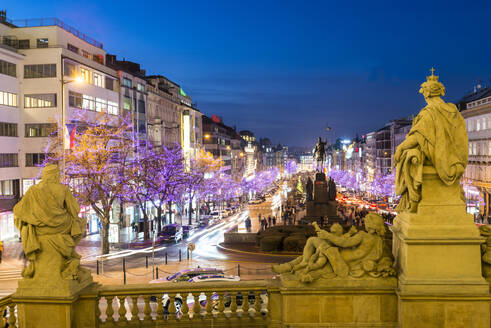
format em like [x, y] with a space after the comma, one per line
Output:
[285, 69]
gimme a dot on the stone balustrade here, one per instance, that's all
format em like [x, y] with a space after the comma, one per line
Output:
[183, 304]
[7, 313]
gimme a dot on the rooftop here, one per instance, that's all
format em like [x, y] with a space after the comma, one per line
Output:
[37, 22]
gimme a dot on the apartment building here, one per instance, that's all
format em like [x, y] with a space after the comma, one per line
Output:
[133, 92]
[10, 170]
[60, 71]
[476, 110]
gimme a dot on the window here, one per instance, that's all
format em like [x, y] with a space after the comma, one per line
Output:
[75, 99]
[38, 71]
[141, 106]
[88, 102]
[484, 121]
[42, 43]
[9, 160]
[85, 74]
[112, 108]
[98, 58]
[127, 82]
[24, 44]
[69, 69]
[26, 184]
[40, 130]
[40, 100]
[85, 54]
[478, 124]
[71, 47]
[98, 80]
[7, 188]
[100, 105]
[109, 83]
[140, 87]
[35, 159]
[127, 103]
[8, 99]
[8, 129]
[7, 68]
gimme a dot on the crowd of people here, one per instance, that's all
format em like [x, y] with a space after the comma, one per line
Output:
[354, 215]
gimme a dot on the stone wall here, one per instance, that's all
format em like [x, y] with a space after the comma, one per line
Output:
[242, 238]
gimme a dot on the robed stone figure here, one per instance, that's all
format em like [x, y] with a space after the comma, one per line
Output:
[438, 138]
[309, 189]
[47, 218]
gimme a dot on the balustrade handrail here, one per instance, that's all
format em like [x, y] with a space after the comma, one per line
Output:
[5, 300]
[183, 287]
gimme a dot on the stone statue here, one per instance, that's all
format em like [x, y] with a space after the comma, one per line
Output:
[485, 231]
[438, 139]
[47, 218]
[331, 190]
[320, 154]
[334, 254]
[310, 189]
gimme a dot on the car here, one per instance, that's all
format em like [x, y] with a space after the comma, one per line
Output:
[186, 275]
[213, 278]
[215, 215]
[170, 233]
[204, 222]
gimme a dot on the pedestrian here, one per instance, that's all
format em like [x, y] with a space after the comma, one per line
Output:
[1, 250]
[274, 220]
[265, 223]
[269, 220]
[321, 221]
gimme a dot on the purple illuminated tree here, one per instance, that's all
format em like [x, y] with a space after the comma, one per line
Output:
[291, 167]
[94, 165]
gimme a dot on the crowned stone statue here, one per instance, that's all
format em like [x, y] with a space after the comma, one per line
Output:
[437, 139]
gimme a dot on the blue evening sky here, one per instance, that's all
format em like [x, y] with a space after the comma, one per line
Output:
[285, 69]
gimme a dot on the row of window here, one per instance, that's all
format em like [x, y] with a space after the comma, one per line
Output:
[480, 148]
[38, 130]
[478, 124]
[78, 100]
[97, 58]
[35, 159]
[8, 129]
[8, 68]
[129, 84]
[40, 100]
[39, 71]
[8, 99]
[9, 160]
[89, 77]
[7, 188]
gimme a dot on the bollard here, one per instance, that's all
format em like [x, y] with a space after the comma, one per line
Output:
[165, 257]
[187, 249]
[156, 272]
[97, 262]
[238, 270]
[179, 255]
[146, 261]
[124, 271]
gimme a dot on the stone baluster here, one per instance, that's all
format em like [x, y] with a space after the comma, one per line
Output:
[134, 309]
[209, 305]
[122, 309]
[147, 310]
[185, 307]
[3, 321]
[98, 309]
[160, 309]
[221, 305]
[109, 309]
[172, 308]
[257, 305]
[12, 318]
[197, 306]
[245, 303]
[233, 304]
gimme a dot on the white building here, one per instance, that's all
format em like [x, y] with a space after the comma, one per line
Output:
[60, 70]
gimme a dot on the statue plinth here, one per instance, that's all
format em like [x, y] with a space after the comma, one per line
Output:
[437, 253]
[47, 281]
[321, 206]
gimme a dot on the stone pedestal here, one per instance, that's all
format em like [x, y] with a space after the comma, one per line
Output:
[437, 253]
[339, 302]
[321, 206]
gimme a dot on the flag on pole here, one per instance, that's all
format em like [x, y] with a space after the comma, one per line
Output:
[70, 135]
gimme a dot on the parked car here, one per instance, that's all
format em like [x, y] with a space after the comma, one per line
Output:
[170, 233]
[215, 215]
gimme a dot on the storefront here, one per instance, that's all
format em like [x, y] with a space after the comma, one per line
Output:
[7, 227]
[90, 215]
